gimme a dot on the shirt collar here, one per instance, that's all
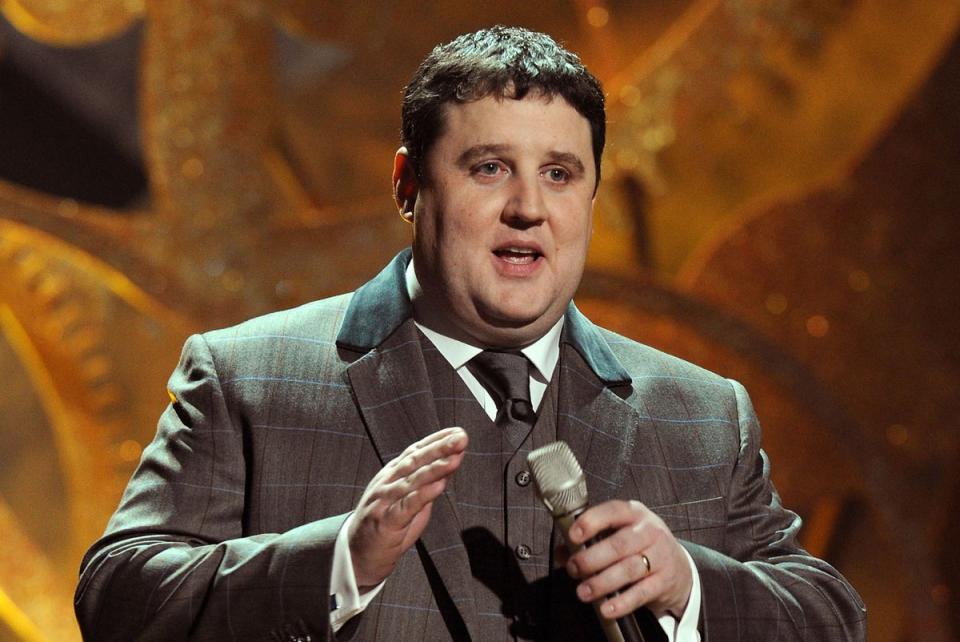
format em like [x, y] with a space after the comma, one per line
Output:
[542, 353]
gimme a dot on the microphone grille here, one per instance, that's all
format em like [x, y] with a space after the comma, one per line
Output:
[559, 478]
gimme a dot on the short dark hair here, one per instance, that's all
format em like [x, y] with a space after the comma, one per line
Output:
[499, 61]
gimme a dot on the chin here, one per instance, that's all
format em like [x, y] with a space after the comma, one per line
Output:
[517, 318]
[507, 338]
[518, 308]
[515, 327]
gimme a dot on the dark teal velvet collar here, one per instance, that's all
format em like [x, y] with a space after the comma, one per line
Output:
[381, 305]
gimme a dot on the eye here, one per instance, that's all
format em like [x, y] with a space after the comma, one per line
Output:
[558, 175]
[488, 168]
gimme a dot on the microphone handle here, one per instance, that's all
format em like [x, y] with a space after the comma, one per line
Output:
[624, 629]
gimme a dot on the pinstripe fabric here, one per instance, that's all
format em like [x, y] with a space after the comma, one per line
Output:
[496, 513]
[393, 391]
[226, 529]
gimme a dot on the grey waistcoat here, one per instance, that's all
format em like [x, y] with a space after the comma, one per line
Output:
[505, 527]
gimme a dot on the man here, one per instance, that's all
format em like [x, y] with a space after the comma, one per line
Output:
[302, 486]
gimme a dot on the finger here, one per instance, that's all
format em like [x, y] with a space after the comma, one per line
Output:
[425, 474]
[413, 502]
[611, 514]
[404, 498]
[436, 438]
[401, 513]
[629, 540]
[617, 577]
[437, 469]
[630, 599]
[453, 441]
[422, 444]
[424, 466]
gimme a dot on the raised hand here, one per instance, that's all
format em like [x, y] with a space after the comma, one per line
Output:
[395, 506]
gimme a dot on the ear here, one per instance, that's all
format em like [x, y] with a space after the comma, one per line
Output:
[405, 184]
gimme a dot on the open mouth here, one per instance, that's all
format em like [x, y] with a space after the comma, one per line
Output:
[518, 255]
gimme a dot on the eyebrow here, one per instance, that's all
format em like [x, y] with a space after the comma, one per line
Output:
[475, 153]
[567, 158]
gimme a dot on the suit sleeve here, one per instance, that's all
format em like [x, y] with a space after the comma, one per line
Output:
[175, 562]
[765, 586]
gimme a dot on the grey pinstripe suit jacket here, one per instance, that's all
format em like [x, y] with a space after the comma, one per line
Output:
[226, 529]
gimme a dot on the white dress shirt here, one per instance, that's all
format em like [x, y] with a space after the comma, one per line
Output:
[543, 354]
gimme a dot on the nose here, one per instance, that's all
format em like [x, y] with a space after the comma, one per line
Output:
[525, 206]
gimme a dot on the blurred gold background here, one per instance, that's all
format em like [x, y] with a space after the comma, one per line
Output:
[780, 204]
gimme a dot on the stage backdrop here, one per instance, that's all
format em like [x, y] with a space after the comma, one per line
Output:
[780, 204]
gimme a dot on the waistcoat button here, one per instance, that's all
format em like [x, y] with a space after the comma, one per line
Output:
[522, 478]
[522, 551]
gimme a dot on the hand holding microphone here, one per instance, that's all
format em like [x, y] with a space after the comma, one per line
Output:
[638, 564]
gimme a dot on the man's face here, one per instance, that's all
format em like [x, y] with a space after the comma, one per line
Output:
[503, 220]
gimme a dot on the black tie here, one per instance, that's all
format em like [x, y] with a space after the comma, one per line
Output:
[506, 376]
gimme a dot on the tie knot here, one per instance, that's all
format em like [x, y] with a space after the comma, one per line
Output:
[506, 376]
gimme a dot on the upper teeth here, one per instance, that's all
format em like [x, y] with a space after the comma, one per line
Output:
[520, 250]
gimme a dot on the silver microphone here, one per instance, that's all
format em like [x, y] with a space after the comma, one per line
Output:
[562, 486]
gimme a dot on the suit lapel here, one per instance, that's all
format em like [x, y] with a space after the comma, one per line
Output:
[394, 397]
[599, 426]
[594, 421]
[617, 445]
[393, 393]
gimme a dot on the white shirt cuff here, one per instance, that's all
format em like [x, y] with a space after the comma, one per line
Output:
[345, 597]
[686, 629]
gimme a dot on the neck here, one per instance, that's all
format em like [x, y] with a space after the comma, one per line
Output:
[489, 336]
[433, 312]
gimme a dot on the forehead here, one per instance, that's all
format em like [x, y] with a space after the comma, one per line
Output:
[534, 124]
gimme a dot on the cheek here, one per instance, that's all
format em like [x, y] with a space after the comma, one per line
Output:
[464, 234]
[573, 236]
